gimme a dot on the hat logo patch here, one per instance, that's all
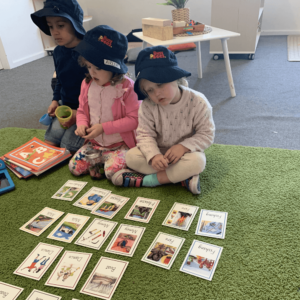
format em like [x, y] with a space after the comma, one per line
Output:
[105, 40]
[111, 63]
[156, 54]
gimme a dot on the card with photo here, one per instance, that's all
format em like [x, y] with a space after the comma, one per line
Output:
[68, 228]
[163, 250]
[69, 270]
[202, 260]
[96, 234]
[181, 216]
[105, 278]
[110, 206]
[40, 295]
[38, 261]
[91, 198]
[9, 292]
[125, 240]
[69, 190]
[142, 210]
[41, 221]
[212, 224]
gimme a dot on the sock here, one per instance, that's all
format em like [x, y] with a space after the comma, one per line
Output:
[150, 180]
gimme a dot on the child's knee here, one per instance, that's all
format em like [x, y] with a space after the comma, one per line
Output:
[197, 162]
[130, 157]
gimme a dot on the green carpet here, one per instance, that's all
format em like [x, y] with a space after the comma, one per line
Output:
[258, 187]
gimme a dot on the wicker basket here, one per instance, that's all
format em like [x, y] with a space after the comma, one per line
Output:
[181, 14]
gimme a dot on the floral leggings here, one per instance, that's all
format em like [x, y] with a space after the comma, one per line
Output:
[111, 159]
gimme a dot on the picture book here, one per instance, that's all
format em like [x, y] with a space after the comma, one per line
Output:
[9, 292]
[163, 250]
[212, 223]
[69, 190]
[17, 170]
[40, 295]
[201, 260]
[105, 278]
[181, 216]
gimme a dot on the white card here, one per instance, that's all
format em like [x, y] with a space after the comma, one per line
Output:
[201, 260]
[163, 250]
[40, 295]
[105, 278]
[69, 270]
[41, 221]
[212, 223]
[110, 206]
[69, 190]
[68, 228]
[38, 261]
[125, 240]
[9, 292]
[181, 216]
[96, 234]
[91, 198]
[142, 210]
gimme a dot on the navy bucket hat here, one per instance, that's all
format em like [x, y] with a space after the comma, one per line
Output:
[105, 48]
[69, 9]
[156, 64]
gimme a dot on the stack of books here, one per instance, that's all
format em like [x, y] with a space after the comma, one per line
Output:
[34, 158]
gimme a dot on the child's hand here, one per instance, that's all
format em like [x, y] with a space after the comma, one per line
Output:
[159, 163]
[72, 121]
[175, 153]
[94, 131]
[81, 130]
[52, 108]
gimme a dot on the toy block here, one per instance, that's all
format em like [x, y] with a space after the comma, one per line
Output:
[156, 22]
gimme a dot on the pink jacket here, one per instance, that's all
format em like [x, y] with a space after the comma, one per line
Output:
[124, 109]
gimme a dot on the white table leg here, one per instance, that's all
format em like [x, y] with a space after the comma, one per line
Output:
[144, 45]
[199, 59]
[228, 67]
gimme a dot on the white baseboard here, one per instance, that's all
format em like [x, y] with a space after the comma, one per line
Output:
[280, 32]
[27, 59]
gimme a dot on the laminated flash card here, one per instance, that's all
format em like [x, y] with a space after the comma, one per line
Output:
[163, 250]
[41, 221]
[201, 260]
[69, 270]
[69, 190]
[142, 209]
[181, 216]
[38, 261]
[105, 278]
[110, 206]
[91, 198]
[68, 228]
[212, 223]
[125, 240]
[9, 292]
[40, 295]
[96, 233]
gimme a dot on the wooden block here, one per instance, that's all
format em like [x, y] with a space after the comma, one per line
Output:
[158, 32]
[156, 22]
[179, 24]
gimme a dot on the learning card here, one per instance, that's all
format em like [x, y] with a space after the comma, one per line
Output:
[142, 209]
[69, 270]
[201, 260]
[212, 223]
[38, 261]
[91, 198]
[69, 190]
[68, 228]
[40, 295]
[9, 292]
[41, 221]
[105, 278]
[109, 207]
[125, 240]
[181, 216]
[163, 250]
[96, 233]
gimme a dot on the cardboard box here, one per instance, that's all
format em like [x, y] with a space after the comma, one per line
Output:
[156, 22]
[162, 33]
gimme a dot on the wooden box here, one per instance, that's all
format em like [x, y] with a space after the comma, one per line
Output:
[178, 30]
[156, 22]
[162, 33]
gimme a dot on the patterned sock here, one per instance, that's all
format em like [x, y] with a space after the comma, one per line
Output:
[150, 180]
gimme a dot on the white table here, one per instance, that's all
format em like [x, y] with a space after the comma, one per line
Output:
[216, 33]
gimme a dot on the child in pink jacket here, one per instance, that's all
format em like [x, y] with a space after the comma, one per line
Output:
[108, 106]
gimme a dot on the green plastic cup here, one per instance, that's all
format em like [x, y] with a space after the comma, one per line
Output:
[63, 113]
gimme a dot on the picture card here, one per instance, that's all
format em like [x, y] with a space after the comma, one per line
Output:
[69, 270]
[212, 223]
[91, 198]
[181, 216]
[142, 209]
[96, 234]
[163, 250]
[201, 260]
[40, 295]
[105, 278]
[41, 221]
[38, 261]
[125, 240]
[69, 190]
[9, 292]
[68, 228]
[110, 206]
